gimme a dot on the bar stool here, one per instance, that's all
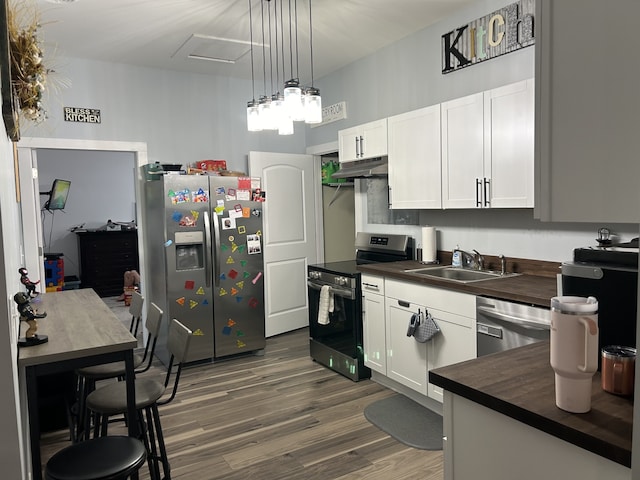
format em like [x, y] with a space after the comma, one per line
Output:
[111, 400]
[88, 376]
[104, 458]
[135, 309]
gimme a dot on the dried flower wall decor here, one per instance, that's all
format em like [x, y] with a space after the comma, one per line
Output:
[29, 75]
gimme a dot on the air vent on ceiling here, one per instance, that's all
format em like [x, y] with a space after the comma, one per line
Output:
[214, 49]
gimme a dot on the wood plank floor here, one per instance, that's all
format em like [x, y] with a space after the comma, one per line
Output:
[278, 416]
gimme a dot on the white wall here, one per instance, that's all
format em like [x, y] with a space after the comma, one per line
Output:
[11, 441]
[102, 188]
[183, 118]
[407, 75]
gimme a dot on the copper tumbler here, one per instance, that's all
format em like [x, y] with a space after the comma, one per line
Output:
[618, 368]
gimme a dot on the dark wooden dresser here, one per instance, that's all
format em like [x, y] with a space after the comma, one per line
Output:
[104, 257]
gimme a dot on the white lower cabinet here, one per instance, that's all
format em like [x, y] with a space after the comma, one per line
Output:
[373, 325]
[455, 343]
[388, 349]
[406, 358]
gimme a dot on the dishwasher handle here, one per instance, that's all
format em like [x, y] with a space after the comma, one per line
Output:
[524, 322]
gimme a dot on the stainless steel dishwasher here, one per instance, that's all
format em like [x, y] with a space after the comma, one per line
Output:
[502, 325]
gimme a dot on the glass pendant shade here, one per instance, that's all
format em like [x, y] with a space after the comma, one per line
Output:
[253, 117]
[265, 113]
[312, 106]
[277, 109]
[293, 100]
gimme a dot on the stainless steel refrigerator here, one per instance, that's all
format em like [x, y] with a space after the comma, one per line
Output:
[203, 238]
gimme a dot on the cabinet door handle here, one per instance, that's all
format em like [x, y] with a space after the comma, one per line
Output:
[478, 192]
[389, 198]
[361, 146]
[357, 147]
[402, 303]
[487, 192]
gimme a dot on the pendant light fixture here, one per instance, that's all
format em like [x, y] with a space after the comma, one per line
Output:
[253, 118]
[275, 110]
[312, 100]
[264, 105]
[285, 123]
[292, 91]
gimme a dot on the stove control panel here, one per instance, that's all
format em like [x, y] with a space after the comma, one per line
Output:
[329, 278]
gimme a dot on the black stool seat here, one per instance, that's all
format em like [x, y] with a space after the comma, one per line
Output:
[103, 458]
[112, 399]
[109, 370]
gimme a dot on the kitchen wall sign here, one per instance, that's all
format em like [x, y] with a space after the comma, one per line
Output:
[503, 31]
[82, 115]
[332, 113]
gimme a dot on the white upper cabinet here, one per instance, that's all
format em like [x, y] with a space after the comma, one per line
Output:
[364, 141]
[487, 149]
[587, 111]
[463, 152]
[508, 144]
[414, 159]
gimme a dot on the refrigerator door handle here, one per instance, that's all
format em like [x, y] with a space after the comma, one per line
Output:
[216, 240]
[207, 247]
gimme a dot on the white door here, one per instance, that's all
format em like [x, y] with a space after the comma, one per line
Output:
[289, 238]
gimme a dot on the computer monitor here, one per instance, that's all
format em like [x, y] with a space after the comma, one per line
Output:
[58, 195]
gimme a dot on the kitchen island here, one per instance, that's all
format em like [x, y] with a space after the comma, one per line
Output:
[501, 422]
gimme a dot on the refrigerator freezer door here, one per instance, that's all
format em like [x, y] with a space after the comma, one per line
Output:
[189, 299]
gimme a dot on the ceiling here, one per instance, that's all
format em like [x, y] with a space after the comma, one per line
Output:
[169, 33]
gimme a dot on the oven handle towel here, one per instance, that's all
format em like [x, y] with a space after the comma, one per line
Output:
[325, 305]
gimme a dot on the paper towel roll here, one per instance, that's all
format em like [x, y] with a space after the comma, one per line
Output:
[429, 244]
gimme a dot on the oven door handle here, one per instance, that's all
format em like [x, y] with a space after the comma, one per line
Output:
[337, 291]
[524, 322]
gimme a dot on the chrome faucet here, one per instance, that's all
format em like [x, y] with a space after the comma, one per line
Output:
[468, 260]
[478, 260]
[503, 264]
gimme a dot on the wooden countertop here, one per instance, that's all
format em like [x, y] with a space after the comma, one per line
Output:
[530, 289]
[519, 383]
[78, 324]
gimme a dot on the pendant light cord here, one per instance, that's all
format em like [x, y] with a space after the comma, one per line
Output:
[295, 6]
[270, 49]
[253, 82]
[311, 43]
[290, 40]
[264, 60]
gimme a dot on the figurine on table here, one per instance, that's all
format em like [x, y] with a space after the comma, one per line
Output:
[24, 279]
[29, 315]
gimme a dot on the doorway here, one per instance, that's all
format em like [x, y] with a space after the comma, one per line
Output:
[32, 227]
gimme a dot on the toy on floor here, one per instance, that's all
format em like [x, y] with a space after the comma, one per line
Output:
[30, 316]
[24, 279]
[131, 282]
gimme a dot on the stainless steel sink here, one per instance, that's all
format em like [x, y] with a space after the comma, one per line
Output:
[460, 275]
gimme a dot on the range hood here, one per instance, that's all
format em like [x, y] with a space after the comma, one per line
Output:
[371, 167]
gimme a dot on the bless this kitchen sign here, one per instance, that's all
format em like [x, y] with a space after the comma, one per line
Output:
[82, 115]
[504, 31]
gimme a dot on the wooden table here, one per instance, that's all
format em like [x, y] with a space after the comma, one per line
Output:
[82, 331]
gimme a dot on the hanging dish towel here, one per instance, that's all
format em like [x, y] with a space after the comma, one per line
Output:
[325, 305]
[422, 327]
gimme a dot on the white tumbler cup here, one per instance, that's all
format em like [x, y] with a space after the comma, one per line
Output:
[574, 350]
